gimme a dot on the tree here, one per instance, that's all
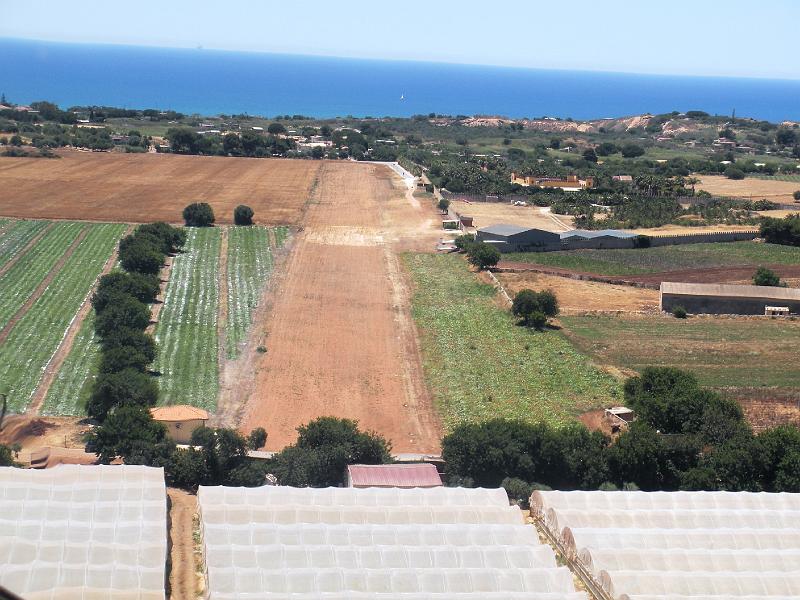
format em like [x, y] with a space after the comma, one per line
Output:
[231, 144]
[140, 256]
[323, 450]
[464, 241]
[116, 389]
[631, 151]
[6, 457]
[555, 143]
[125, 312]
[317, 153]
[482, 255]
[444, 205]
[129, 431]
[198, 214]
[119, 358]
[257, 438]
[796, 195]
[784, 231]
[535, 307]
[243, 215]
[170, 239]
[734, 173]
[143, 287]
[590, 155]
[766, 277]
[276, 128]
[785, 136]
[606, 149]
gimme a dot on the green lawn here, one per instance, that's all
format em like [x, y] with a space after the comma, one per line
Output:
[664, 258]
[479, 364]
[186, 333]
[722, 352]
[36, 336]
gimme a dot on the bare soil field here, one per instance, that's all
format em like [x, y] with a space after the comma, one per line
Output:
[581, 296]
[34, 433]
[768, 407]
[679, 229]
[140, 188]
[340, 339]
[492, 213]
[777, 191]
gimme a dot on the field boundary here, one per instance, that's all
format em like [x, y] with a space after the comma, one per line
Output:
[53, 366]
[43, 285]
[24, 250]
[534, 268]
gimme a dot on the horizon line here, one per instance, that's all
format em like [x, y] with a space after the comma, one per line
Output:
[202, 48]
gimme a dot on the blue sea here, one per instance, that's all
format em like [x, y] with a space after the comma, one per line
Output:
[211, 82]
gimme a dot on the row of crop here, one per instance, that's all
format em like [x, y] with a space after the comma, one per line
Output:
[37, 335]
[19, 282]
[250, 264]
[186, 332]
[16, 236]
[70, 390]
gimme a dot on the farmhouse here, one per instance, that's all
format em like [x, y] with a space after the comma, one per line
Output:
[721, 299]
[513, 238]
[421, 475]
[570, 183]
[180, 420]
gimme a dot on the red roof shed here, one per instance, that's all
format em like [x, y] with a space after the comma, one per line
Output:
[422, 475]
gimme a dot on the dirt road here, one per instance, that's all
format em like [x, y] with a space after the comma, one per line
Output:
[340, 339]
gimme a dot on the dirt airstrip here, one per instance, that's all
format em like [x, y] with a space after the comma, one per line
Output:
[340, 339]
[141, 188]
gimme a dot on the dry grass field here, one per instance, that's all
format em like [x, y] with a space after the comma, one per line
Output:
[491, 213]
[774, 190]
[141, 188]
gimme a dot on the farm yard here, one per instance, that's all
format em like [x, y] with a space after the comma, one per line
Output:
[773, 188]
[41, 293]
[481, 364]
[140, 188]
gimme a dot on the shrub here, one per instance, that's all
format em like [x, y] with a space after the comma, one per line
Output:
[641, 241]
[443, 205]
[796, 195]
[766, 277]
[679, 312]
[519, 491]
[734, 173]
[482, 255]
[464, 241]
[198, 214]
[631, 151]
[257, 438]
[784, 231]
[243, 215]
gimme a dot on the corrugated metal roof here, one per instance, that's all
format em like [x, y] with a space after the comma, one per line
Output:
[585, 233]
[504, 229]
[401, 476]
[178, 412]
[733, 291]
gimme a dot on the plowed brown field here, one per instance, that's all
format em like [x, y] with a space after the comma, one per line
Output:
[341, 340]
[140, 188]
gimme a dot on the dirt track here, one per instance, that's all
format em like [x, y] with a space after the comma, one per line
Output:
[341, 340]
[141, 188]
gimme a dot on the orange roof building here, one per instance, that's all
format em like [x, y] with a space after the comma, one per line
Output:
[180, 420]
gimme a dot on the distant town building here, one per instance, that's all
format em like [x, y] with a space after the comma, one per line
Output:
[570, 183]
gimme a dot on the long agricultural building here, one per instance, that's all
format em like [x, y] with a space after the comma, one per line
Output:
[273, 543]
[678, 545]
[723, 299]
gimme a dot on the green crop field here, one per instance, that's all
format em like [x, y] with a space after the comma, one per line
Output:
[22, 279]
[786, 177]
[186, 332]
[36, 336]
[250, 264]
[70, 390]
[480, 364]
[664, 258]
[722, 352]
[16, 235]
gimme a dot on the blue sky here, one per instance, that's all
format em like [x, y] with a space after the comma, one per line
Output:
[685, 37]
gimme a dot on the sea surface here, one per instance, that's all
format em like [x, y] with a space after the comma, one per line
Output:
[213, 82]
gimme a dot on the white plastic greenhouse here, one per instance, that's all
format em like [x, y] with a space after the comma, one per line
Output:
[337, 543]
[83, 532]
[680, 545]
